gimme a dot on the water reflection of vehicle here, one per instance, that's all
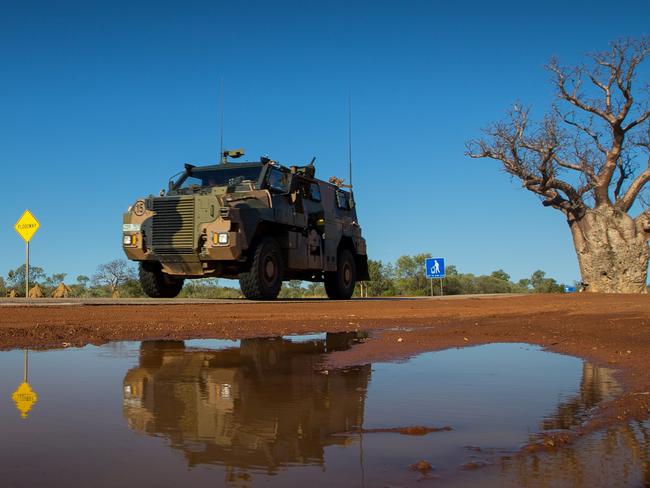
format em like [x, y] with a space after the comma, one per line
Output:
[262, 405]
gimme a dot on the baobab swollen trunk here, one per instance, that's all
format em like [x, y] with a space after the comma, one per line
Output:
[612, 251]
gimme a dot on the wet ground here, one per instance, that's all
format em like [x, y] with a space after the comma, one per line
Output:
[608, 330]
[270, 411]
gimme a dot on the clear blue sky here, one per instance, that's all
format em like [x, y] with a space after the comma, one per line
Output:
[101, 103]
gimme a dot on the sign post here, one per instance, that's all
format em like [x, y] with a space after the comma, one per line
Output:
[26, 227]
[27, 270]
[435, 268]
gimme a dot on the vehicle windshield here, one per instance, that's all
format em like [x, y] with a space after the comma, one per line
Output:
[200, 177]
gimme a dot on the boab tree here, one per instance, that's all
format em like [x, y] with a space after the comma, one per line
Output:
[589, 158]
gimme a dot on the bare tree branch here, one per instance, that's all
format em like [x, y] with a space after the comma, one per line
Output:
[113, 274]
[564, 164]
[639, 120]
[634, 190]
[587, 129]
[615, 70]
[632, 193]
[572, 96]
[531, 158]
[592, 144]
[606, 88]
[623, 175]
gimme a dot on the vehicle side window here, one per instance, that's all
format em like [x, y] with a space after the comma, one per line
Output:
[343, 200]
[278, 181]
[314, 192]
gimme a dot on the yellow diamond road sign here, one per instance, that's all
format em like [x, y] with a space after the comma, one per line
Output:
[27, 226]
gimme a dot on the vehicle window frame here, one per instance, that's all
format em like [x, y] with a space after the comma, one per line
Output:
[340, 193]
[315, 196]
[278, 190]
[179, 184]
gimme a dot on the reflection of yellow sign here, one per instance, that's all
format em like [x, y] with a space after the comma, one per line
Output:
[27, 226]
[24, 398]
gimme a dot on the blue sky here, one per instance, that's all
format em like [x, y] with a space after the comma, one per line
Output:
[101, 102]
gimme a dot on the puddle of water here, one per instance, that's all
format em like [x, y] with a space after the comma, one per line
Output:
[257, 411]
[618, 456]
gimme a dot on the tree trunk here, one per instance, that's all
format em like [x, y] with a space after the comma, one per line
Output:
[612, 251]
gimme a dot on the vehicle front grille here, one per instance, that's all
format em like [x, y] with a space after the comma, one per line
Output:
[173, 225]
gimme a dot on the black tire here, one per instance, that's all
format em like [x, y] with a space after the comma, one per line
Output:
[264, 279]
[340, 284]
[157, 284]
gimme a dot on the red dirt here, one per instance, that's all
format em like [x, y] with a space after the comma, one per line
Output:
[611, 330]
[416, 430]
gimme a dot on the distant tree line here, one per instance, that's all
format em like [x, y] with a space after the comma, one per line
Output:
[404, 277]
[115, 278]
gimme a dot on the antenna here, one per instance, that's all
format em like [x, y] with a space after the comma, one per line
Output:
[350, 137]
[221, 156]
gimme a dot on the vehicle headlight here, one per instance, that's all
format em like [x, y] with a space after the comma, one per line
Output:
[130, 240]
[220, 238]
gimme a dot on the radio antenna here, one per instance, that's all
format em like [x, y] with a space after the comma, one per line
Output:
[221, 156]
[350, 137]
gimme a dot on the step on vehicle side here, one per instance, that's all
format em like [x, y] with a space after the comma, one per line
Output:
[259, 222]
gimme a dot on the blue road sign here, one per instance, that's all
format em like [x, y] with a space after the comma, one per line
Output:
[435, 267]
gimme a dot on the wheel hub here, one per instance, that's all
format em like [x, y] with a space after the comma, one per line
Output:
[269, 269]
[347, 274]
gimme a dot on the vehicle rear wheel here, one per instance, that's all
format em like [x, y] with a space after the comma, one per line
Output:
[264, 279]
[157, 284]
[340, 284]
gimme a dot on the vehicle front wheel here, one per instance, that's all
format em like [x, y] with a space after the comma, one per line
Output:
[264, 279]
[340, 284]
[157, 284]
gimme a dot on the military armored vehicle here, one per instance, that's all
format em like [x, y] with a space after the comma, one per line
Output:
[259, 222]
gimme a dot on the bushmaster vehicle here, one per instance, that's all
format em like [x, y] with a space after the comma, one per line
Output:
[260, 222]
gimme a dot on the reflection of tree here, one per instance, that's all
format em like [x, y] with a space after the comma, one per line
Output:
[597, 384]
[262, 405]
[618, 456]
[645, 430]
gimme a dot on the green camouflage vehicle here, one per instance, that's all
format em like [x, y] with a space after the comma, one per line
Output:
[259, 222]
